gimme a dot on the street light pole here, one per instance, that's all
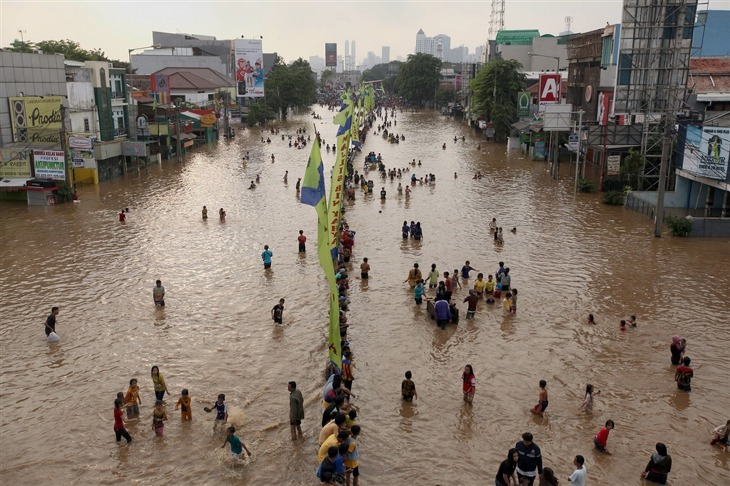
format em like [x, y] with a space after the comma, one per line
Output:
[577, 150]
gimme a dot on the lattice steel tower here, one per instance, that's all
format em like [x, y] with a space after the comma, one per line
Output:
[496, 20]
[653, 66]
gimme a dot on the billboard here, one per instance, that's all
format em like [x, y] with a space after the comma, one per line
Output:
[523, 104]
[706, 151]
[249, 68]
[14, 163]
[604, 109]
[81, 149]
[36, 119]
[330, 54]
[49, 164]
[549, 89]
[160, 86]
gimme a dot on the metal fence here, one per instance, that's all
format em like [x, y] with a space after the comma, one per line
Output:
[640, 205]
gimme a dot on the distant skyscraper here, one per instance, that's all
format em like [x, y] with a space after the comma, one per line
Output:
[347, 56]
[443, 52]
[423, 44]
[438, 46]
[385, 54]
[353, 57]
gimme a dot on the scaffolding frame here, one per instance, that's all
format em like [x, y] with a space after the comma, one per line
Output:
[652, 73]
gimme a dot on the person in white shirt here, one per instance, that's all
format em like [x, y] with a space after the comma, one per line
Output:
[578, 478]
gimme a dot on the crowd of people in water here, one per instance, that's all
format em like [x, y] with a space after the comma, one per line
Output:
[337, 452]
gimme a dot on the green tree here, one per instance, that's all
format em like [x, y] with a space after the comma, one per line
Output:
[386, 73]
[326, 77]
[71, 50]
[444, 96]
[290, 86]
[495, 91]
[418, 78]
[259, 113]
[20, 46]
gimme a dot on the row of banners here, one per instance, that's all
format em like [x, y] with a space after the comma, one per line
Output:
[350, 117]
[46, 164]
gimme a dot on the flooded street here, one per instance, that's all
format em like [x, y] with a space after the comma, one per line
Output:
[570, 256]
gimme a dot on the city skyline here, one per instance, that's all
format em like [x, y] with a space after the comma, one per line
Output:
[57, 20]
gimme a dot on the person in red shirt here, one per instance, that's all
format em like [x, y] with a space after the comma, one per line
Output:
[601, 437]
[122, 216]
[684, 375]
[470, 384]
[449, 283]
[302, 242]
[119, 429]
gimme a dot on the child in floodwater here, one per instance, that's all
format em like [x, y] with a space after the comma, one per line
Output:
[186, 412]
[237, 445]
[587, 404]
[158, 418]
[542, 400]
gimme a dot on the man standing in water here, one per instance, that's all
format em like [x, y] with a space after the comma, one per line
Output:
[529, 464]
[266, 257]
[51, 321]
[302, 242]
[296, 410]
[158, 294]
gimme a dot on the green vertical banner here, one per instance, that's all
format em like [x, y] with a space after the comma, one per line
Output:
[344, 120]
[313, 194]
[523, 103]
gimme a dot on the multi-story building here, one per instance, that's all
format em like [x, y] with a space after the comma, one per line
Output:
[385, 54]
[438, 46]
[98, 109]
[33, 116]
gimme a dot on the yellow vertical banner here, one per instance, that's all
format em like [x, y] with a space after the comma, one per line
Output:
[339, 171]
[313, 194]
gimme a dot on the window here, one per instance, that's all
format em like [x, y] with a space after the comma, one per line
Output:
[624, 69]
[118, 87]
[607, 51]
[86, 125]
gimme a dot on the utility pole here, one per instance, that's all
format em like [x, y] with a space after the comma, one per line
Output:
[64, 147]
[226, 129]
[666, 154]
[178, 130]
[577, 148]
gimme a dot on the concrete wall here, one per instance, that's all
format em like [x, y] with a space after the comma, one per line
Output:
[547, 46]
[32, 74]
[711, 227]
[151, 64]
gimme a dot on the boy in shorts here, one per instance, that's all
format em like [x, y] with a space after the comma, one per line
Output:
[237, 446]
[542, 400]
[352, 457]
[132, 400]
[221, 410]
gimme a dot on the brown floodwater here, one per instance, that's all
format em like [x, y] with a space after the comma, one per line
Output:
[570, 256]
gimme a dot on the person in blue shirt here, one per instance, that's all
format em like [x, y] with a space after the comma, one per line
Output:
[443, 313]
[266, 257]
[418, 291]
[406, 230]
[466, 269]
[237, 446]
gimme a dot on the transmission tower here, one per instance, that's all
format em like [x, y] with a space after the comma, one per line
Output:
[496, 21]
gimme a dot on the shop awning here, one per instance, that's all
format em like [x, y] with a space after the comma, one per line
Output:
[185, 136]
[520, 125]
[14, 183]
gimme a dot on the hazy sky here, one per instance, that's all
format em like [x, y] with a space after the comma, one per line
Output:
[295, 28]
